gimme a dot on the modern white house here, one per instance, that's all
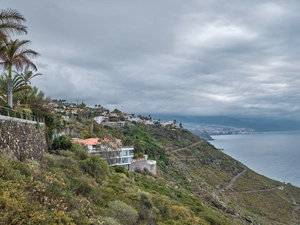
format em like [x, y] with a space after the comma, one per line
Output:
[112, 150]
[115, 154]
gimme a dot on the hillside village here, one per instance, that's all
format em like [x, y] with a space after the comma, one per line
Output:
[113, 150]
[167, 162]
[72, 111]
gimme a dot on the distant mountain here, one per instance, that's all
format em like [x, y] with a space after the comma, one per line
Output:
[255, 124]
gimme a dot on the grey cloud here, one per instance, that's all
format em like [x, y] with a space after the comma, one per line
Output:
[186, 57]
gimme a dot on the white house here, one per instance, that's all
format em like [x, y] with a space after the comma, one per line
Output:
[100, 119]
[111, 150]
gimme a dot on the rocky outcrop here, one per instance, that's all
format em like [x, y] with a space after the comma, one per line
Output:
[22, 139]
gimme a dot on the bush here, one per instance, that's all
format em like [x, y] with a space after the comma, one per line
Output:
[80, 152]
[122, 212]
[62, 142]
[121, 169]
[110, 221]
[6, 110]
[21, 167]
[96, 167]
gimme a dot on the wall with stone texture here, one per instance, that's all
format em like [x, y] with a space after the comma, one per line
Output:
[23, 139]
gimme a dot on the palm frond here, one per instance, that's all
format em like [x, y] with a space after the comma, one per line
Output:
[11, 22]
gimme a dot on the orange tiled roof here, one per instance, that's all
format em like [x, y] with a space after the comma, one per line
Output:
[89, 141]
[95, 141]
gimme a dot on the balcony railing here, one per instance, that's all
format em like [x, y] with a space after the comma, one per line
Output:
[20, 114]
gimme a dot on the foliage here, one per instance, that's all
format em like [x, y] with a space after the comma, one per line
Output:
[96, 167]
[62, 142]
[122, 212]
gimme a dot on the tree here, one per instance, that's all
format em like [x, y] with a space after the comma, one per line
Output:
[25, 78]
[62, 142]
[15, 53]
[17, 86]
[11, 23]
[35, 97]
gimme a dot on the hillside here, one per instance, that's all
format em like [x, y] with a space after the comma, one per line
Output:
[193, 186]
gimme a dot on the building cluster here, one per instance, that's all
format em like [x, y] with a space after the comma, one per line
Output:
[101, 115]
[113, 120]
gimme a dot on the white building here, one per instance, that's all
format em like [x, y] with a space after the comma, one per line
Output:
[100, 119]
[111, 150]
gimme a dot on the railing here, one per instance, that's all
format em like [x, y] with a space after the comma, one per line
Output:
[19, 114]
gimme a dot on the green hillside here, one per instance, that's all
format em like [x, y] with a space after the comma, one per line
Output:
[191, 186]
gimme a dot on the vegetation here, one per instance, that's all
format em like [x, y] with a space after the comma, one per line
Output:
[73, 187]
[13, 53]
[70, 186]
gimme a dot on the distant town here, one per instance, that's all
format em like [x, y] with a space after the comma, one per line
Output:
[218, 129]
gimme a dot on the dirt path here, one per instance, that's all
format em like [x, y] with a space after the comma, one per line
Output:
[192, 145]
[233, 180]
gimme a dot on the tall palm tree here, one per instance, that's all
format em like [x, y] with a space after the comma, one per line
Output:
[15, 53]
[25, 77]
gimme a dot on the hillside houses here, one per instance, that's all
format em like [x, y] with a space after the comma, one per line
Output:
[116, 118]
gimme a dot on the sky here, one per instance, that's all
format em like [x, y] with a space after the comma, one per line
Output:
[195, 57]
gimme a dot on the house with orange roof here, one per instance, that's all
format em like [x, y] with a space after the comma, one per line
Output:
[111, 149]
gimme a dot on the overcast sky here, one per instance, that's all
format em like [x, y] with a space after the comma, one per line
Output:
[191, 57]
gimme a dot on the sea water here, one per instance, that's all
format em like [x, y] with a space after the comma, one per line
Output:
[272, 154]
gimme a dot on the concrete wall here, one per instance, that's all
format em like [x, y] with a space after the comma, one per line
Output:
[142, 164]
[23, 139]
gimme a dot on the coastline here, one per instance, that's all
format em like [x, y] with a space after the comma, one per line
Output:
[272, 154]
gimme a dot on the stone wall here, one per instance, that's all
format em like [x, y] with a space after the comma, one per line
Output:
[22, 139]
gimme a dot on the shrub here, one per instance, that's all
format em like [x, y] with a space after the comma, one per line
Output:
[110, 221]
[62, 142]
[144, 199]
[96, 167]
[122, 212]
[121, 169]
[21, 167]
[6, 110]
[49, 160]
[80, 152]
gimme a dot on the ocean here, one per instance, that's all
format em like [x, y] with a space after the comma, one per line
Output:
[273, 154]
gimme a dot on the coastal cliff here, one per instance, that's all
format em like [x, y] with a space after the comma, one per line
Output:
[195, 184]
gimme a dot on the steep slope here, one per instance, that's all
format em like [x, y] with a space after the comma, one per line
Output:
[196, 166]
[196, 184]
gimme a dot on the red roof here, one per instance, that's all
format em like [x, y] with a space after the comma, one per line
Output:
[89, 141]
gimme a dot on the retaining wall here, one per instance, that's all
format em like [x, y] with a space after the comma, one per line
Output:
[142, 164]
[23, 139]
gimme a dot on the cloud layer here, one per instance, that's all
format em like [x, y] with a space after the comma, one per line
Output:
[193, 57]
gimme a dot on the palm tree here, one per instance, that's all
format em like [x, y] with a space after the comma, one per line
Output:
[15, 53]
[11, 23]
[26, 77]
[17, 85]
